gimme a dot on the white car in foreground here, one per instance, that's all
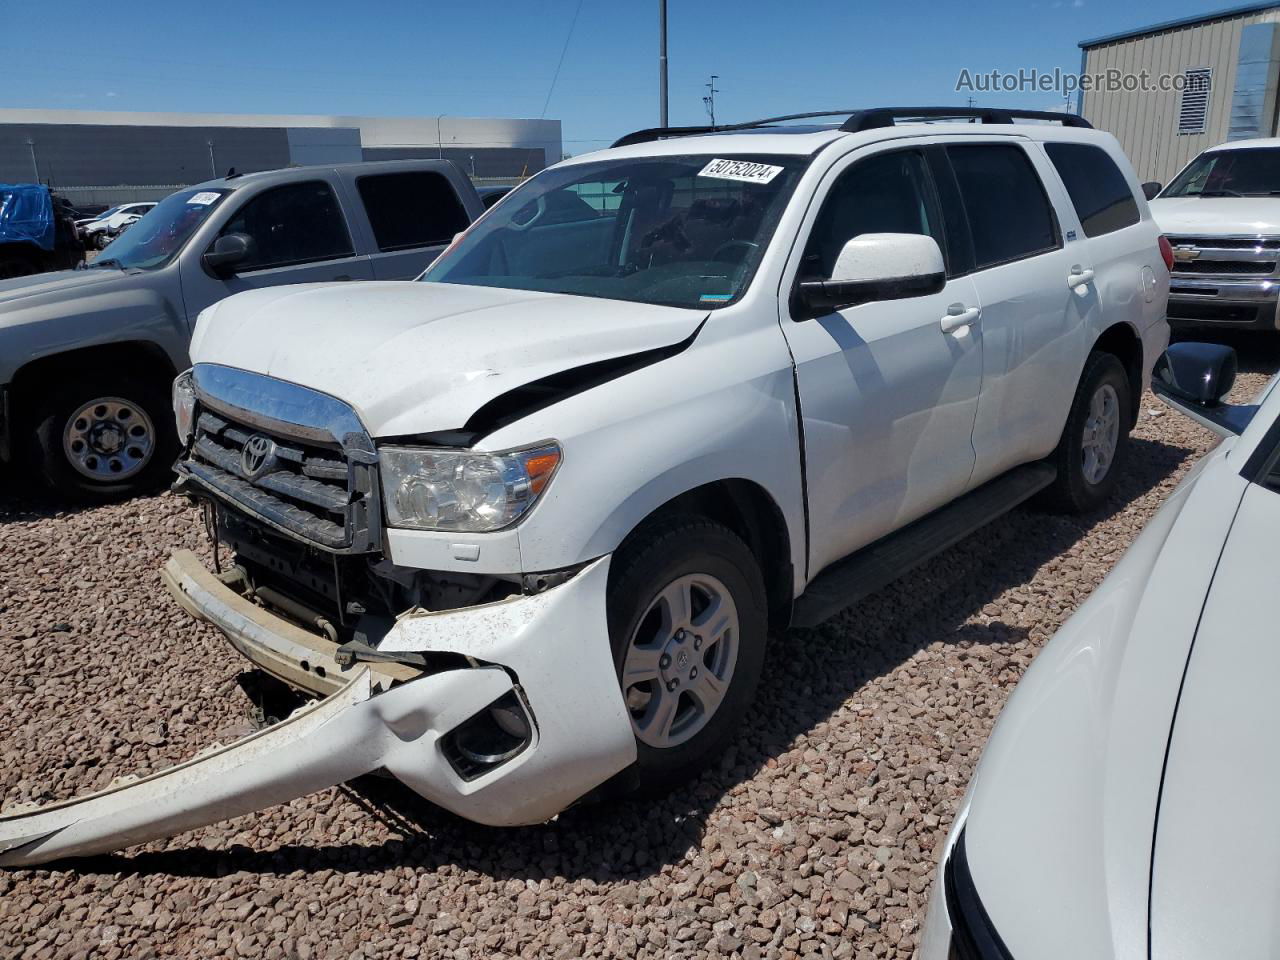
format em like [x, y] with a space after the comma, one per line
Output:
[1125, 805]
[526, 523]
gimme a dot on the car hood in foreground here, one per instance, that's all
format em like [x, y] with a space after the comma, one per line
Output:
[1216, 872]
[1218, 216]
[421, 357]
[1059, 830]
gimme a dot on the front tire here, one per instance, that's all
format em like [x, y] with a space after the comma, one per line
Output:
[99, 439]
[688, 618]
[1095, 441]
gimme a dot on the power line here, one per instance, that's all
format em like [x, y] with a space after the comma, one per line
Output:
[563, 50]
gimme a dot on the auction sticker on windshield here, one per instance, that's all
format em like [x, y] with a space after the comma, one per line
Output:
[204, 198]
[743, 170]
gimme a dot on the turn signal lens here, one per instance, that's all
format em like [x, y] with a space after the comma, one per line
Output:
[1166, 251]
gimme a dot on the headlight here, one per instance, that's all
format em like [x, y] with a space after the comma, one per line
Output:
[462, 490]
[184, 404]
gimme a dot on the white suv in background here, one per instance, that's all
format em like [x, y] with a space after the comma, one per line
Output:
[107, 224]
[1222, 216]
[526, 524]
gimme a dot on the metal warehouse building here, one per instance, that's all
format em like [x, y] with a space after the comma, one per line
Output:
[1227, 64]
[113, 157]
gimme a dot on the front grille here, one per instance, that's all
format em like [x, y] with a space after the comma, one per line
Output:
[1208, 311]
[1227, 256]
[1224, 267]
[312, 490]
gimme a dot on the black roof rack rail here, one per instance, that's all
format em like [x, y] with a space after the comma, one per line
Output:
[858, 120]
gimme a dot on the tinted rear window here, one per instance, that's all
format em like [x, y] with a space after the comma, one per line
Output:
[409, 210]
[1009, 214]
[1098, 189]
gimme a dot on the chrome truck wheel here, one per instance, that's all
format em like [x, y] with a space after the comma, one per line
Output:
[109, 439]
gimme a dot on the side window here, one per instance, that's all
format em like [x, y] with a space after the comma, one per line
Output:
[1098, 189]
[887, 193]
[409, 210]
[1009, 214]
[296, 223]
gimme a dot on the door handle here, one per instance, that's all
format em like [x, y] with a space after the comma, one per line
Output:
[1079, 276]
[958, 317]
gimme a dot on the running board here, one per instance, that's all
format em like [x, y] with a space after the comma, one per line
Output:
[877, 565]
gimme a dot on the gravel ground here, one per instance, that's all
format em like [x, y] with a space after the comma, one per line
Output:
[814, 836]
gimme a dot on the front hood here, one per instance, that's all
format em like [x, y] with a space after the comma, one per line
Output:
[1218, 216]
[1216, 872]
[1059, 827]
[54, 287]
[419, 357]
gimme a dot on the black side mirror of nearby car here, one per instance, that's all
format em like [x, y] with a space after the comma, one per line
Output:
[1195, 378]
[227, 251]
[1151, 188]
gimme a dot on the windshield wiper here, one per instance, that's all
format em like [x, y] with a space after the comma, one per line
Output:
[1218, 193]
[109, 262]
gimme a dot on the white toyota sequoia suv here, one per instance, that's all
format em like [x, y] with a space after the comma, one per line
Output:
[523, 525]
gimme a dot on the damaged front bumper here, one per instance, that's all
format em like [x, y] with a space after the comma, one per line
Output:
[550, 651]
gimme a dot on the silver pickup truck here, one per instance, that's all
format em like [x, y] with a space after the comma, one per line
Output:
[87, 356]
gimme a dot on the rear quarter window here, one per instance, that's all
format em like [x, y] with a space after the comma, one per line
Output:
[411, 209]
[1097, 188]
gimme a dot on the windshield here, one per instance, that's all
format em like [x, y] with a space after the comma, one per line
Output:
[1230, 173]
[106, 213]
[686, 231]
[156, 239]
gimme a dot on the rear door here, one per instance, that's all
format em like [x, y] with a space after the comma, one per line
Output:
[1033, 318]
[299, 234]
[413, 215]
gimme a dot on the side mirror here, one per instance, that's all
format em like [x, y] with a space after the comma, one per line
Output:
[227, 251]
[1151, 188]
[871, 267]
[1193, 378]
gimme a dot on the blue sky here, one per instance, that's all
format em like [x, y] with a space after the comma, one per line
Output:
[497, 58]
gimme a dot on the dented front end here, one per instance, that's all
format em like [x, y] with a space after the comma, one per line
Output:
[504, 713]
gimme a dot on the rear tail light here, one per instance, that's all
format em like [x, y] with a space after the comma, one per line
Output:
[1166, 251]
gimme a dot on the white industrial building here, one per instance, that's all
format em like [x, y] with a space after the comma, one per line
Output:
[113, 156]
[1227, 64]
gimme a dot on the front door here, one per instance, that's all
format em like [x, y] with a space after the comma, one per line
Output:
[887, 396]
[299, 235]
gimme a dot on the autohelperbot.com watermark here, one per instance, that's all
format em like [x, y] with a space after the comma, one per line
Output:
[1034, 80]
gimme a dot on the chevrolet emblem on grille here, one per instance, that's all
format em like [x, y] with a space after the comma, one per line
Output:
[257, 457]
[1185, 253]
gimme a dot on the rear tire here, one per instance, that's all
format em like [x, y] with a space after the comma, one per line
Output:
[100, 438]
[688, 619]
[1095, 440]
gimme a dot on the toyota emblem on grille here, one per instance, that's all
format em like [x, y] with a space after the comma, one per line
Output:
[258, 455]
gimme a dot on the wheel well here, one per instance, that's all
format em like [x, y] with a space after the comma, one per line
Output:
[1121, 342]
[134, 359]
[745, 508]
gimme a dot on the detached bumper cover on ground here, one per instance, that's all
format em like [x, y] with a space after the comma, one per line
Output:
[554, 646]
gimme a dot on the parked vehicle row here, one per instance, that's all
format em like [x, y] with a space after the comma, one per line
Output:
[87, 357]
[524, 527]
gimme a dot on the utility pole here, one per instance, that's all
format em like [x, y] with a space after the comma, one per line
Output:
[212, 165]
[662, 63]
[34, 166]
[709, 101]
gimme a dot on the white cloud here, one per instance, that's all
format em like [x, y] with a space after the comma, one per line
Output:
[111, 93]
